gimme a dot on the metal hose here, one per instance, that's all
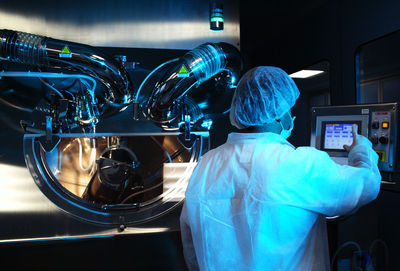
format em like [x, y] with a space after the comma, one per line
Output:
[42, 51]
[192, 69]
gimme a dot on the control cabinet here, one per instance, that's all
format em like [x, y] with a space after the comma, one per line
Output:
[331, 129]
[380, 135]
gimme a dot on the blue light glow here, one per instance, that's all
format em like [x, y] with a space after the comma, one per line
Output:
[203, 105]
[208, 62]
[226, 112]
[207, 124]
[126, 98]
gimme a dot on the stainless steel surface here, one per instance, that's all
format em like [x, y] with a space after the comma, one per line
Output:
[171, 24]
[53, 208]
[62, 197]
[164, 169]
[56, 208]
[30, 211]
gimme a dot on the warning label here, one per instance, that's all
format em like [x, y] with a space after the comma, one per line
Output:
[65, 52]
[183, 72]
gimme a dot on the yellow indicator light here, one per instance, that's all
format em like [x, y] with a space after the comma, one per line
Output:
[385, 125]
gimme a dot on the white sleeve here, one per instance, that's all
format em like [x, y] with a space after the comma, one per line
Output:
[363, 156]
[187, 241]
[310, 179]
[354, 185]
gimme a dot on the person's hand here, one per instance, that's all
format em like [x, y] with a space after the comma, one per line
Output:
[355, 140]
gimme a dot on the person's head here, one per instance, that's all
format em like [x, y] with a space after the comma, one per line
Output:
[263, 98]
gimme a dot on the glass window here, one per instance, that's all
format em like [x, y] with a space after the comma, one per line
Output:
[391, 90]
[378, 70]
[369, 93]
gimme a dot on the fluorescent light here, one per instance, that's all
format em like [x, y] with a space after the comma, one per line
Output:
[305, 73]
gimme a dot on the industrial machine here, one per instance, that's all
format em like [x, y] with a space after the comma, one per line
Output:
[106, 157]
[332, 128]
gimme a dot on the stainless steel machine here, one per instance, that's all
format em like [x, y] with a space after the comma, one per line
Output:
[104, 157]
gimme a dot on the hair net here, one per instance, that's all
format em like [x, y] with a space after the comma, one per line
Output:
[263, 95]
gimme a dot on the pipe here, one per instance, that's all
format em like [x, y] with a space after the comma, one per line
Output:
[49, 75]
[191, 70]
[42, 51]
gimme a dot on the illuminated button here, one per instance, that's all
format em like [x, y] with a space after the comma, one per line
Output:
[384, 139]
[375, 125]
[385, 125]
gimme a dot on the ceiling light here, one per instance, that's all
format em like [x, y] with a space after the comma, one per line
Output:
[305, 73]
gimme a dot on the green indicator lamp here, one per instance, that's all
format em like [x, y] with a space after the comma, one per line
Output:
[216, 16]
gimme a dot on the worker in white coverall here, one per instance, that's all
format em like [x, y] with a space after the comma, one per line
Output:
[258, 203]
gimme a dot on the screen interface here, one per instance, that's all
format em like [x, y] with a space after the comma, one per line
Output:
[337, 134]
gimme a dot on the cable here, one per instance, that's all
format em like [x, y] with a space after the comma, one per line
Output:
[49, 75]
[376, 241]
[15, 106]
[70, 94]
[141, 192]
[65, 89]
[80, 85]
[166, 152]
[343, 246]
[94, 74]
[52, 88]
[71, 85]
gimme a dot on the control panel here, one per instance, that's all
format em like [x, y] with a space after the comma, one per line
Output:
[331, 129]
[380, 134]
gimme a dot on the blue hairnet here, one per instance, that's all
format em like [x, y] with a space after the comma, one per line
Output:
[263, 95]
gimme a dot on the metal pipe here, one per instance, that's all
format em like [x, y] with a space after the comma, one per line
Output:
[48, 75]
[192, 69]
[42, 51]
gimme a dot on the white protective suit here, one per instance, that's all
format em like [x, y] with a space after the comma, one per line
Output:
[257, 203]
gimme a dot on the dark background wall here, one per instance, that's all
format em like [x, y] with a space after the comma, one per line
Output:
[296, 34]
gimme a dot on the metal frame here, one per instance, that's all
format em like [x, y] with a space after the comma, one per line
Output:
[359, 112]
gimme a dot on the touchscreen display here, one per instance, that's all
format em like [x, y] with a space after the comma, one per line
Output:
[337, 134]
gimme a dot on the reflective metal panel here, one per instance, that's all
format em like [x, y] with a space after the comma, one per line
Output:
[53, 205]
[168, 24]
[121, 185]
